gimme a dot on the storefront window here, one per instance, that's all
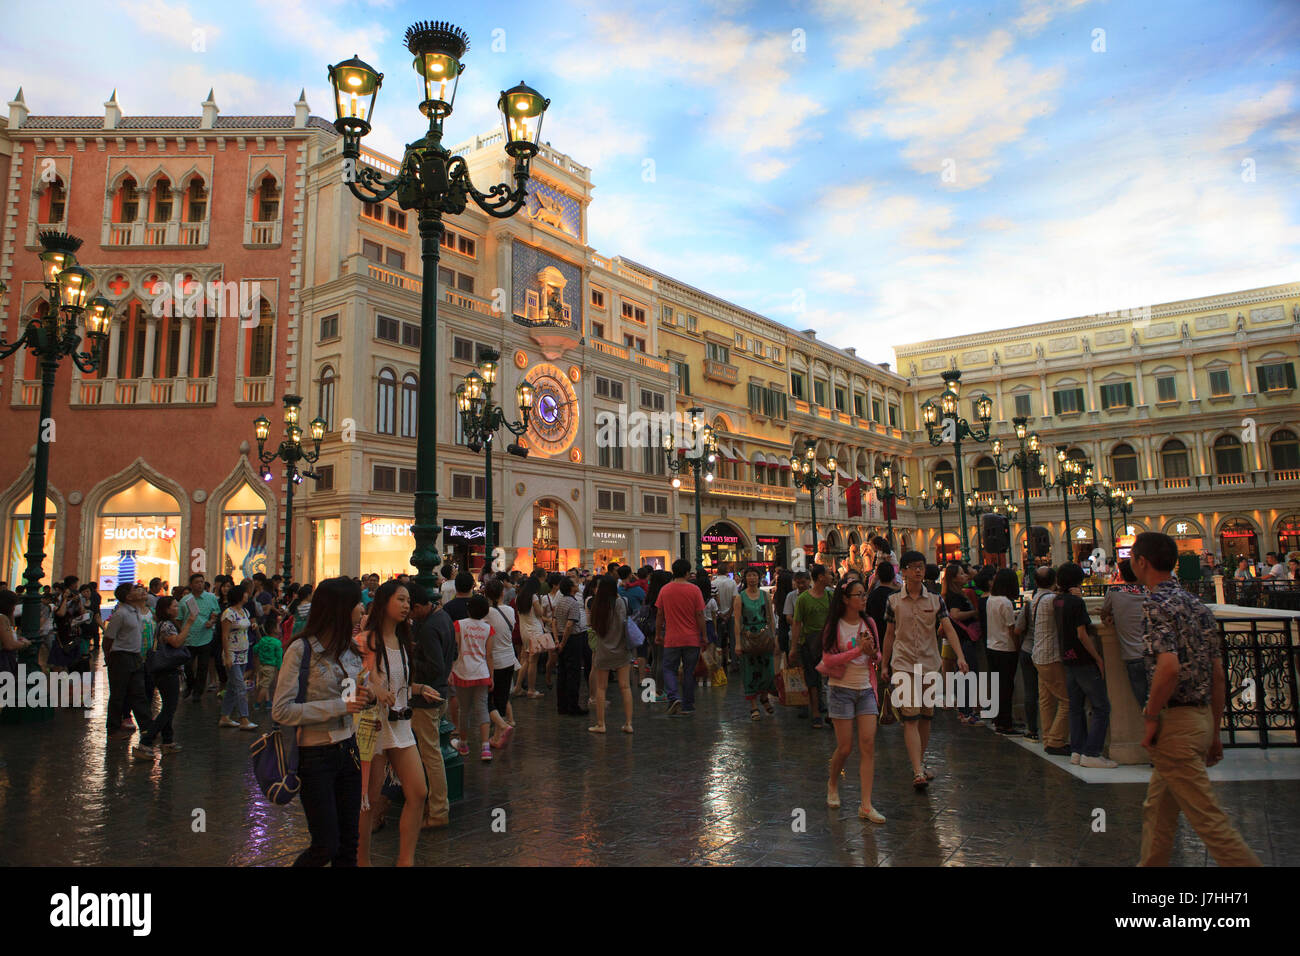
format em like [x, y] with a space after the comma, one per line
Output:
[386, 546]
[546, 535]
[1187, 535]
[609, 546]
[137, 537]
[1237, 538]
[721, 546]
[948, 550]
[325, 548]
[1081, 544]
[463, 543]
[243, 534]
[1288, 534]
[19, 524]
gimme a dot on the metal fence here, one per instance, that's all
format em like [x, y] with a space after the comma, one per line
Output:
[1263, 701]
[1272, 595]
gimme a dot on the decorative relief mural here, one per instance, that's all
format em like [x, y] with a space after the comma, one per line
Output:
[1020, 351]
[975, 358]
[1061, 345]
[1207, 322]
[1111, 337]
[546, 291]
[1274, 313]
[932, 363]
[1164, 328]
[550, 207]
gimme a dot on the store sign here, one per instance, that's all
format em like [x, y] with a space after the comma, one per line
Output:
[764, 539]
[386, 529]
[1238, 534]
[1182, 527]
[470, 531]
[617, 537]
[720, 539]
[146, 532]
[1081, 535]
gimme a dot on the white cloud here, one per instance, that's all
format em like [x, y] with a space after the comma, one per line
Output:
[173, 21]
[1036, 14]
[964, 108]
[861, 30]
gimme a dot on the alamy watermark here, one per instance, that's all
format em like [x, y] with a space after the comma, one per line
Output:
[639, 429]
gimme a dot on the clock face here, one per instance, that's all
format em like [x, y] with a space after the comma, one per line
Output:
[553, 425]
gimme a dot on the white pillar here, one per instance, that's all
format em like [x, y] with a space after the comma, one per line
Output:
[1142, 400]
[183, 368]
[150, 341]
[115, 347]
[1191, 377]
[1245, 372]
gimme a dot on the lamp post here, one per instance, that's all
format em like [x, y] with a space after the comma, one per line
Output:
[1116, 500]
[698, 459]
[1094, 493]
[941, 502]
[804, 469]
[1026, 458]
[481, 419]
[435, 183]
[290, 451]
[50, 338]
[1067, 478]
[975, 507]
[889, 490]
[943, 424]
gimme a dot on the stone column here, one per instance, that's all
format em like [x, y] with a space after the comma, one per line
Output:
[150, 343]
[1142, 399]
[1191, 377]
[1245, 372]
[115, 347]
[183, 368]
[1042, 391]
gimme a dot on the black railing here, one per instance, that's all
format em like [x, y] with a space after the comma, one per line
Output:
[1260, 658]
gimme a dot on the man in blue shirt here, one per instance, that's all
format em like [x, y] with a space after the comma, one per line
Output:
[203, 608]
[629, 590]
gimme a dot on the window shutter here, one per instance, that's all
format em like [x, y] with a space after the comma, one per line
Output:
[1290, 375]
[1056, 402]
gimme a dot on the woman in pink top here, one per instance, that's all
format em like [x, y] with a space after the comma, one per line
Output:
[472, 675]
[850, 651]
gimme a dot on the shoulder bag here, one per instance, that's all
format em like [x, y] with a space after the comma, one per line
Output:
[275, 754]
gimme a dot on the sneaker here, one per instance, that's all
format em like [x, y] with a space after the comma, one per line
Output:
[227, 722]
[1100, 762]
[170, 748]
[660, 698]
[247, 724]
[1031, 735]
[1074, 758]
[143, 754]
[486, 755]
[462, 748]
[1062, 751]
[674, 708]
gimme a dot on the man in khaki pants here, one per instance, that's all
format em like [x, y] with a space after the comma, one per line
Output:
[431, 660]
[1184, 708]
[1053, 696]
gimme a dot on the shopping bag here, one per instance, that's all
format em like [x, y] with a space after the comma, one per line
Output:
[792, 688]
[719, 677]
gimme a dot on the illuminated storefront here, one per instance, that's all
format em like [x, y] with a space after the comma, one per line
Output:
[19, 522]
[609, 546]
[1237, 539]
[325, 548]
[769, 554]
[1082, 544]
[137, 537]
[463, 543]
[386, 545]
[1187, 535]
[721, 545]
[243, 535]
[1288, 534]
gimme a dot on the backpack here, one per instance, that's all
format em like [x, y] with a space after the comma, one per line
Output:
[275, 754]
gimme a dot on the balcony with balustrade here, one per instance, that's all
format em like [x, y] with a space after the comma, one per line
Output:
[261, 235]
[723, 372]
[172, 234]
[750, 490]
[112, 392]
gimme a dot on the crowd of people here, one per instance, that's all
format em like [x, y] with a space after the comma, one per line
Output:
[365, 671]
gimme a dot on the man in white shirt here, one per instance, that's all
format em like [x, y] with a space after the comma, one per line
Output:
[1276, 569]
[725, 591]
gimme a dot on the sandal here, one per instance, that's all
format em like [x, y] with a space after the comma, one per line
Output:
[929, 774]
[627, 728]
[767, 705]
[753, 713]
[919, 782]
[598, 729]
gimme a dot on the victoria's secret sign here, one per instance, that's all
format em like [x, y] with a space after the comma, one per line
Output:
[720, 539]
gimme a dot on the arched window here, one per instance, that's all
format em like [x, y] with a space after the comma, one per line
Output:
[162, 201]
[1173, 459]
[1284, 451]
[260, 338]
[410, 405]
[986, 475]
[196, 209]
[268, 200]
[207, 348]
[386, 403]
[1227, 456]
[325, 398]
[1124, 463]
[128, 201]
[20, 519]
[55, 202]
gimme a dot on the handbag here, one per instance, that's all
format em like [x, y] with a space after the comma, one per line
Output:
[164, 658]
[635, 636]
[792, 688]
[757, 642]
[275, 754]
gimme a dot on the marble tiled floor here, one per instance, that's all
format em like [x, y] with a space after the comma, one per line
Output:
[712, 789]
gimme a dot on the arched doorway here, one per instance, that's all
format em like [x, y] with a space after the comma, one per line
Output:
[1237, 539]
[1288, 534]
[20, 519]
[137, 537]
[243, 534]
[947, 549]
[721, 546]
[1187, 535]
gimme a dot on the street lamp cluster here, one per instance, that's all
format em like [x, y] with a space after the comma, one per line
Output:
[435, 183]
[481, 420]
[807, 476]
[1027, 459]
[943, 424]
[889, 490]
[698, 458]
[51, 338]
[289, 451]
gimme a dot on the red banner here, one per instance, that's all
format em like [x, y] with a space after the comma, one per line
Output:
[891, 509]
[853, 498]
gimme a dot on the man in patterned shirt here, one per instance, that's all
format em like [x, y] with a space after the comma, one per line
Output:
[1183, 712]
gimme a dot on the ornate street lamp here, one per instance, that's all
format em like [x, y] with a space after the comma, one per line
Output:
[1094, 493]
[51, 338]
[480, 421]
[1116, 500]
[806, 476]
[944, 425]
[435, 183]
[698, 458]
[1027, 458]
[975, 507]
[290, 451]
[889, 490]
[1066, 481]
[941, 502]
